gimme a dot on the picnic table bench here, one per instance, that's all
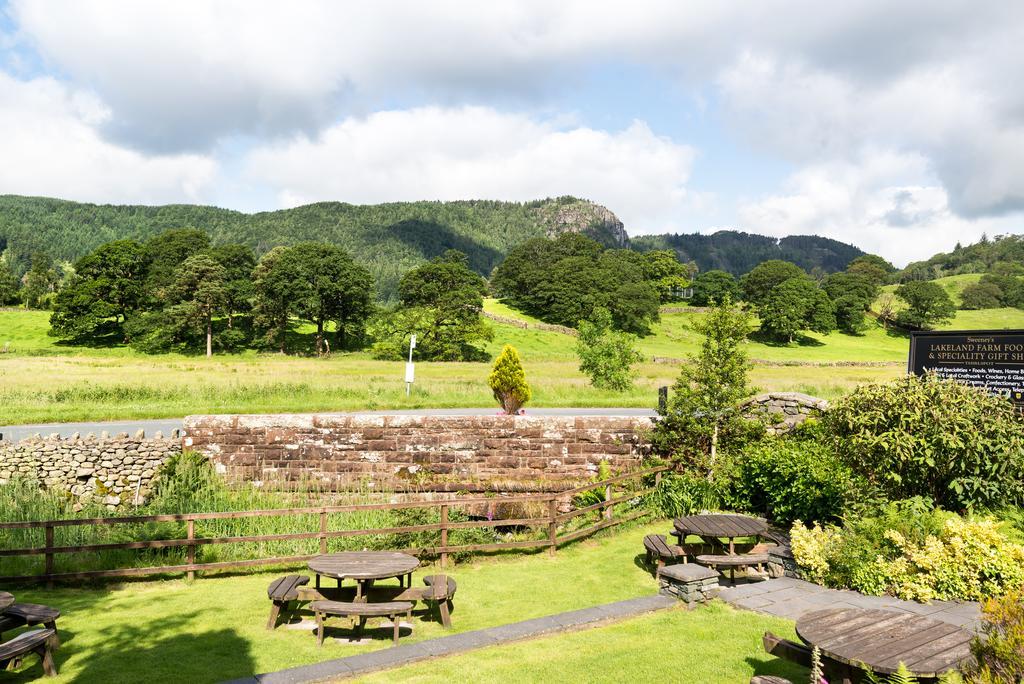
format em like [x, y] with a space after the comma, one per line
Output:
[39, 641]
[361, 611]
[733, 561]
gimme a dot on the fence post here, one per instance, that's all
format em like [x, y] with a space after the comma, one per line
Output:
[552, 526]
[444, 535]
[607, 498]
[323, 532]
[49, 556]
[191, 557]
[657, 478]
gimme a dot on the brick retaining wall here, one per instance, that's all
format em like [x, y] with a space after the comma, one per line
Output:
[524, 452]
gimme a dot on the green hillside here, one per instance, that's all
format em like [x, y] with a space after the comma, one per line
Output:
[983, 319]
[738, 252]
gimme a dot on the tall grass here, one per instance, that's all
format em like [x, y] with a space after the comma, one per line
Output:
[189, 485]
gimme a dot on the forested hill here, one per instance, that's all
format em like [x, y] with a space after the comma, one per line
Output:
[389, 239]
[986, 256]
[737, 252]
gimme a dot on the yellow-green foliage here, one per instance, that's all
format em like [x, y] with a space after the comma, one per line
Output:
[508, 381]
[999, 656]
[967, 560]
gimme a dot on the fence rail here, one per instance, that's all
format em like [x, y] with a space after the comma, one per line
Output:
[551, 520]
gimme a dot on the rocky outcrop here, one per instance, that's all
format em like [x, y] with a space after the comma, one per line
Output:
[571, 215]
[114, 471]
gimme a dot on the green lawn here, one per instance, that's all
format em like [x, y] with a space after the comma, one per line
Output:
[712, 645]
[213, 629]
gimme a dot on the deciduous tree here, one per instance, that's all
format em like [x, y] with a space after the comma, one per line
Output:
[928, 305]
[606, 355]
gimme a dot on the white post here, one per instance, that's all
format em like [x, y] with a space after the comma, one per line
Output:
[410, 370]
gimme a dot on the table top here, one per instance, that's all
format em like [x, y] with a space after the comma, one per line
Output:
[5, 600]
[721, 525]
[364, 565]
[882, 639]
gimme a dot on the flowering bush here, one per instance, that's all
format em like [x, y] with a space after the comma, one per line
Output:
[963, 560]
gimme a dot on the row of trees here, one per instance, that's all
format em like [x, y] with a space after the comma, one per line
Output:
[176, 291]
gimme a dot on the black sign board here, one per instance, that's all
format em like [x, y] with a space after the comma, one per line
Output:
[993, 359]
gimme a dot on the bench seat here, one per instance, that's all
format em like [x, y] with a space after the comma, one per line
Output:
[733, 561]
[37, 641]
[30, 614]
[362, 611]
[661, 552]
[281, 593]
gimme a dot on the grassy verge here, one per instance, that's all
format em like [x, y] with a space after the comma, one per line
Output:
[213, 629]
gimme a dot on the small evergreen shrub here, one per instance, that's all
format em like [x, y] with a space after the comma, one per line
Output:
[508, 381]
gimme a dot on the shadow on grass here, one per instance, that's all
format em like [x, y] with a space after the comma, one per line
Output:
[777, 667]
[160, 650]
[798, 340]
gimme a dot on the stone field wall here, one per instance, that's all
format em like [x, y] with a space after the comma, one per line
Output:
[523, 453]
[115, 471]
[782, 411]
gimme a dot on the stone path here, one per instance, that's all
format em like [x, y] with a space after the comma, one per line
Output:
[403, 654]
[791, 598]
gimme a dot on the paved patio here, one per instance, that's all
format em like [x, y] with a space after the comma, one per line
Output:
[791, 598]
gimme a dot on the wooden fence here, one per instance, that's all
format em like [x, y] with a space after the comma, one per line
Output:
[551, 520]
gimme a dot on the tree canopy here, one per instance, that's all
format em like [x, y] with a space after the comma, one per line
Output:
[928, 305]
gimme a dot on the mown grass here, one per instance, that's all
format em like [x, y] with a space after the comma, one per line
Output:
[213, 629]
[713, 645]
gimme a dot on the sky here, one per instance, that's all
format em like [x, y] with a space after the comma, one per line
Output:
[895, 126]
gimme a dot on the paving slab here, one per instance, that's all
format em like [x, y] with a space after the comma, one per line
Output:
[792, 598]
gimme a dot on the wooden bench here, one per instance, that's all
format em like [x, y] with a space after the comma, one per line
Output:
[282, 592]
[769, 679]
[362, 611]
[733, 561]
[39, 641]
[22, 614]
[660, 551]
[440, 592]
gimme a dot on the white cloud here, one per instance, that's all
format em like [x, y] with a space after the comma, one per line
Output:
[478, 152]
[885, 202]
[49, 146]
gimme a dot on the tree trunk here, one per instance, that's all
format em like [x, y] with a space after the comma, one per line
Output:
[231, 317]
[319, 337]
[209, 337]
[714, 452]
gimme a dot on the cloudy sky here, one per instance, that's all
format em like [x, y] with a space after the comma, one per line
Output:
[897, 126]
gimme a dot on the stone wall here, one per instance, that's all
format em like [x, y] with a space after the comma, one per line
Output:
[782, 410]
[526, 453]
[114, 471]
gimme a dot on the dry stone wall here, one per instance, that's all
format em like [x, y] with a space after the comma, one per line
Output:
[521, 452]
[782, 411]
[116, 471]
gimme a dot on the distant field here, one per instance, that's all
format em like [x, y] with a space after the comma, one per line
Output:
[982, 319]
[43, 381]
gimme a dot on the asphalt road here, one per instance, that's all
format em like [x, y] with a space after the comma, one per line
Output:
[14, 433]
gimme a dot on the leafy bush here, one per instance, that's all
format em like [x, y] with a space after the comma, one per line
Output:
[932, 437]
[508, 381]
[912, 553]
[794, 479]
[981, 296]
[683, 494]
[606, 355]
[999, 655]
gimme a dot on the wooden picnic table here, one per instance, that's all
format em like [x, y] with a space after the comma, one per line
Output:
[364, 567]
[879, 640]
[6, 600]
[712, 527]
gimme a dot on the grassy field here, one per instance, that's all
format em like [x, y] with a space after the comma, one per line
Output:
[213, 629]
[43, 380]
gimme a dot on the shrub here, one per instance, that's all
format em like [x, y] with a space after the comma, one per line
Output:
[981, 296]
[683, 494]
[999, 655]
[932, 437]
[508, 381]
[791, 479]
[912, 553]
[606, 355]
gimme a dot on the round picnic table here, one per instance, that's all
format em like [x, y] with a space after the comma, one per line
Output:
[364, 567]
[879, 640]
[714, 526]
[6, 600]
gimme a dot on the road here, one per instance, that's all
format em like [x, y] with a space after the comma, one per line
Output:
[14, 433]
